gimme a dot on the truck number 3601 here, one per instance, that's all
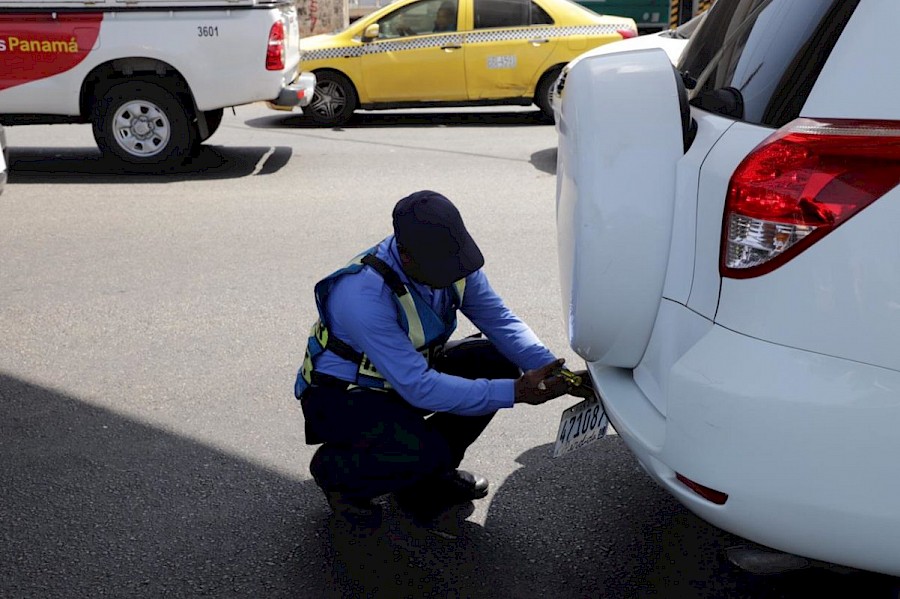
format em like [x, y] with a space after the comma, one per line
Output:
[207, 31]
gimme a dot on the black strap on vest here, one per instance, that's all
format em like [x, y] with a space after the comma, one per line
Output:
[326, 380]
[392, 279]
[343, 350]
[387, 273]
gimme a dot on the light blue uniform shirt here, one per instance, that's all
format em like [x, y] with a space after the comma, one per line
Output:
[361, 312]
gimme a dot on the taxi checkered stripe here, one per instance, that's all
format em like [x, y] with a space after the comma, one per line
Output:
[349, 52]
[497, 35]
[415, 43]
[436, 41]
[411, 43]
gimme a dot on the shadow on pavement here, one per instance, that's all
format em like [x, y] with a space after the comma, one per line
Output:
[596, 526]
[86, 165]
[96, 504]
[545, 160]
[364, 120]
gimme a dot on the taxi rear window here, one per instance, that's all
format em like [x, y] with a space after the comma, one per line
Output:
[509, 13]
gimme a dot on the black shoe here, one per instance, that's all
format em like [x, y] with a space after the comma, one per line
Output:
[467, 485]
[356, 511]
[427, 500]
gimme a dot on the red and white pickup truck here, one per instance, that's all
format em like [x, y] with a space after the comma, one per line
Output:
[151, 76]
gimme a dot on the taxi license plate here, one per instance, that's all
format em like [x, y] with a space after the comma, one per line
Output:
[579, 425]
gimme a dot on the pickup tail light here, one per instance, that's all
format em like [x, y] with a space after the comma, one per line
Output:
[275, 49]
[800, 184]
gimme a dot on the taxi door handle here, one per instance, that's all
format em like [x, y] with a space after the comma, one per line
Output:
[538, 42]
[451, 47]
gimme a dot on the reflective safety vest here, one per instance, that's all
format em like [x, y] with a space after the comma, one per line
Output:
[426, 329]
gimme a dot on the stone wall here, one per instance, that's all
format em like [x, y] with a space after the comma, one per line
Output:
[322, 16]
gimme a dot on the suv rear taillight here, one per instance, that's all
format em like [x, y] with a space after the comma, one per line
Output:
[800, 184]
[275, 49]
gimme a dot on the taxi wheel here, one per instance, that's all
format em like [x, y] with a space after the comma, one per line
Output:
[543, 93]
[334, 100]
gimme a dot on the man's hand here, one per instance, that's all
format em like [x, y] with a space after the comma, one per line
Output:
[585, 388]
[541, 384]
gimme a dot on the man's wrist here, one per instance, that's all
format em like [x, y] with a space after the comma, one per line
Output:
[518, 390]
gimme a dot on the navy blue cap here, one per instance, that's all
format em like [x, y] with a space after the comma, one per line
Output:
[430, 229]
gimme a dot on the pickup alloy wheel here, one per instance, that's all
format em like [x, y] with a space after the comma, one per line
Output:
[143, 123]
[334, 100]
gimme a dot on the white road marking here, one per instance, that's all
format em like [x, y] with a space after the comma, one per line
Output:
[262, 161]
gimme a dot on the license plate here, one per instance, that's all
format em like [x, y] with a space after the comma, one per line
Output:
[579, 425]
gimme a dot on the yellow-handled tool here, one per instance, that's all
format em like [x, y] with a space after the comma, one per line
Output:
[571, 377]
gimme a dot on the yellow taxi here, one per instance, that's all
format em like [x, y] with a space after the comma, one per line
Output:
[415, 53]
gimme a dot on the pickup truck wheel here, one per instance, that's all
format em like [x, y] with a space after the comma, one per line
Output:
[334, 100]
[143, 123]
[543, 93]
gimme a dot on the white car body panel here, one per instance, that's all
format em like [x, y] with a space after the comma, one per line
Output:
[672, 46]
[599, 210]
[4, 168]
[715, 174]
[739, 402]
[859, 319]
[680, 270]
[675, 331]
[782, 390]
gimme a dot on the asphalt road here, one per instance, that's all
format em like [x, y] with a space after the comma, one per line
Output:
[151, 328]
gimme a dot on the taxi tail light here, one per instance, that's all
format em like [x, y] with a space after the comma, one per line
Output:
[627, 33]
[275, 48]
[717, 497]
[801, 183]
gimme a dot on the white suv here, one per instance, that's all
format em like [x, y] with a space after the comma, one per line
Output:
[731, 272]
[4, 159]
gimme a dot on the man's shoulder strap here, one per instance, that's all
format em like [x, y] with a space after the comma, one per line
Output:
[387, 273]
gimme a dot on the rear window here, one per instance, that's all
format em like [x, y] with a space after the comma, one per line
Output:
[757, 60]
[509, 13]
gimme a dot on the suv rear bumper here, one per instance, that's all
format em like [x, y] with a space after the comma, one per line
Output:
[804, 445]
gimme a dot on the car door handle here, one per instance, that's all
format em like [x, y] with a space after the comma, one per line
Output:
[538, 42]
[451, 47]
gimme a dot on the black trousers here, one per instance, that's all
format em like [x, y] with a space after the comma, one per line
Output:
[374, 442]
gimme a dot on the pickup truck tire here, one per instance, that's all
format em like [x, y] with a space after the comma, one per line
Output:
[143, 124]
[334, 100]
[213, 120]
[543, 93]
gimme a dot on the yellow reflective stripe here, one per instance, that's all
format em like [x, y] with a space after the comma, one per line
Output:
[460, 288]
[320, 333]
[416, 335]
[416, 331]
[306, 370]
[367, 368]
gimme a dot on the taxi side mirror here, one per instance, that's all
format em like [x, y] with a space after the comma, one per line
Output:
[371, 32]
